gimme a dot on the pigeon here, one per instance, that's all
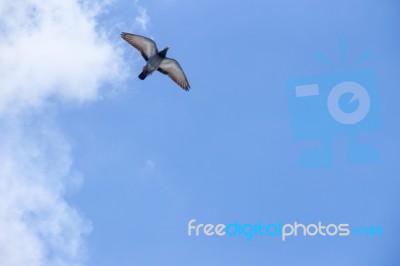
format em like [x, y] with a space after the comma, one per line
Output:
[156, 60]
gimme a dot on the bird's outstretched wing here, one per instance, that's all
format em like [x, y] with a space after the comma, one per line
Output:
[172, 68]
[147, 47]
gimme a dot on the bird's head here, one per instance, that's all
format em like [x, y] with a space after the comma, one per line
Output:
[163, 52]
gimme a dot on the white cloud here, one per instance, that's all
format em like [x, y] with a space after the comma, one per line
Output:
[48, 50]
[38, 226]
[52, 48]
[142, 19]
[149, 167]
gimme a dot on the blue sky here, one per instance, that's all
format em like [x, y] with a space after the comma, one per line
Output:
[146, 157]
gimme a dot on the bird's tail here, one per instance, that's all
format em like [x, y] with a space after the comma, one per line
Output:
[143, 75]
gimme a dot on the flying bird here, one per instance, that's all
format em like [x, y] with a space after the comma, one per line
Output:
[156, 60]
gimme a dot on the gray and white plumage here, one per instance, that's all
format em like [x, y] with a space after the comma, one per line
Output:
[156, 60]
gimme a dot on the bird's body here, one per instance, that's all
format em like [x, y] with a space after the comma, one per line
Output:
[156, 60]
[153, 63]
